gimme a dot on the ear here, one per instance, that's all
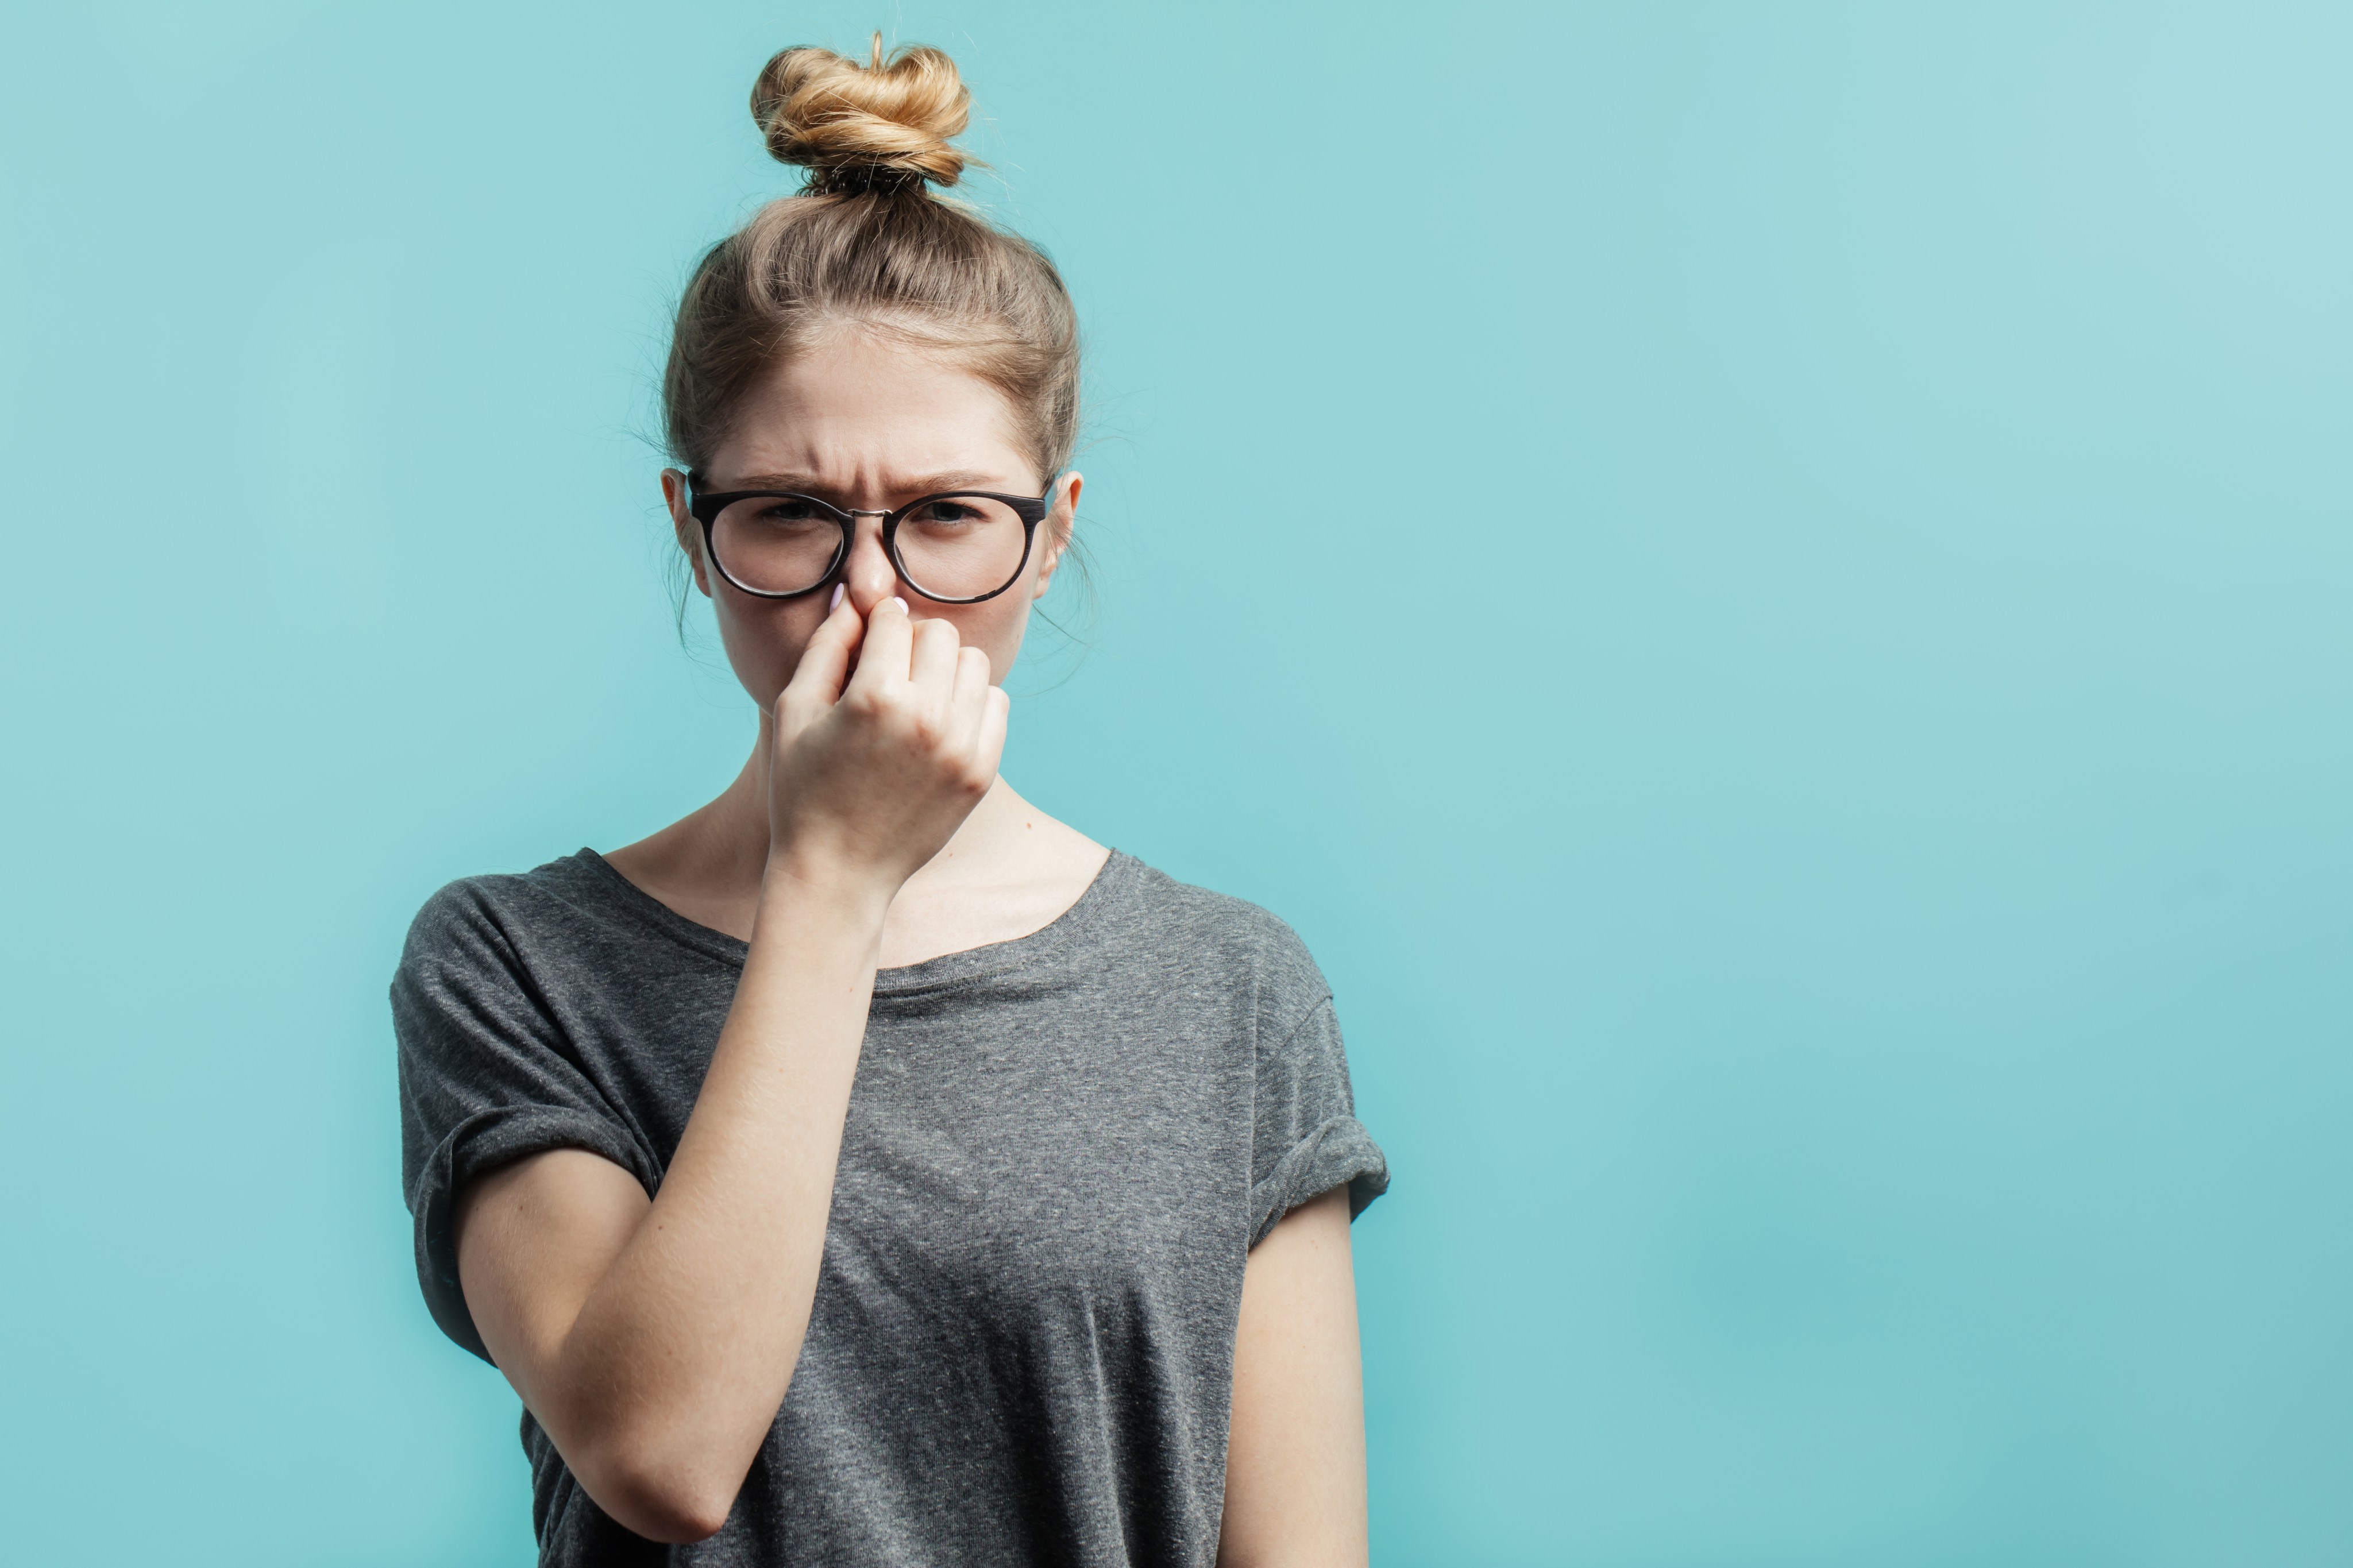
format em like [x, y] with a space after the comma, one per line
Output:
[683, 523]
[1061, 518]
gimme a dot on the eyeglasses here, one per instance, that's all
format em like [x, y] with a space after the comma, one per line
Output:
[958, 547]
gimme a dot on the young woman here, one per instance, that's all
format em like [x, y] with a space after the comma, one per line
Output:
[868, 1168]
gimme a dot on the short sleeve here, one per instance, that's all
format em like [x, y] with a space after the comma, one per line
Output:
[486, 1078]
[1306, 1139]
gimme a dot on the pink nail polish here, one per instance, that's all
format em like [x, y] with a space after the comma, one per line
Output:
[835, 602]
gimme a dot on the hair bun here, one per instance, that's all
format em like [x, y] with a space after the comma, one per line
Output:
[864, 128]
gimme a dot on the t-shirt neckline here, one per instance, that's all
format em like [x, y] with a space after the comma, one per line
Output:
[1067, 930]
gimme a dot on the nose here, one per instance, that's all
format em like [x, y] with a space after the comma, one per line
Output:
[868, 572]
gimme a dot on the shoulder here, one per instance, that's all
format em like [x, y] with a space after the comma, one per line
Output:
[487, 921]
[487, 957]
[1219, 921]
[1245, 943]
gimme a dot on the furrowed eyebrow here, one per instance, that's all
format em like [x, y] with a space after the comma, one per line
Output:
[918, 485]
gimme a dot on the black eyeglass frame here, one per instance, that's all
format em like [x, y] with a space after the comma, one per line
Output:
[705, 509]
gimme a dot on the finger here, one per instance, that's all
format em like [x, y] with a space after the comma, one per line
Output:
[931, 663]
[824, 664]
[968, 698]
[883, 656]
[990, 753]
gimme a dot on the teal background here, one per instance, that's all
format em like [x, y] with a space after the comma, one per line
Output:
[1767, 587]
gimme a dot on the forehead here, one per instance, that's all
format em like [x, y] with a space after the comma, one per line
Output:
[854, 405]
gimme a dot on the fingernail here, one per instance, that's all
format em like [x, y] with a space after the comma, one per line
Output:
[835, 602]
[900, 603]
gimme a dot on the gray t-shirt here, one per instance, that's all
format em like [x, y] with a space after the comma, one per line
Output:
[1058, 1151]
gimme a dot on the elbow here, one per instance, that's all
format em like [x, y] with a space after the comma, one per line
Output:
[675, 1520]
[659, 1467]
[674, 1501]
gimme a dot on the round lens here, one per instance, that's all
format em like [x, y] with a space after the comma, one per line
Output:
[962, 547]
[775, 544]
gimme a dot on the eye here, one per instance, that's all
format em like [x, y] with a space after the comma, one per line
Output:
[789, 509]
[946, 513]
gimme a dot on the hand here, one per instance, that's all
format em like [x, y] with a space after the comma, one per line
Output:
[870, 773]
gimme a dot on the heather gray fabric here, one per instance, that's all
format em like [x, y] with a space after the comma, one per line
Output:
[1058, 1151]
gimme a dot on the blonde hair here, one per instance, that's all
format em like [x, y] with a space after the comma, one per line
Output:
[866, 244]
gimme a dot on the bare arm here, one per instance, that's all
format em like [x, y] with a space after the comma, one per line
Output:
[653, 1340]
[1295, 1457]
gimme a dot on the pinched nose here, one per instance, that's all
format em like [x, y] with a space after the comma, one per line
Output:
[868, 575]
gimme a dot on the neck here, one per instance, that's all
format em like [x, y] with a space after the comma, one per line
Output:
[1008, 870]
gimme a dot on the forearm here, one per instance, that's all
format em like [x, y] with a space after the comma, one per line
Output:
[670, 1375]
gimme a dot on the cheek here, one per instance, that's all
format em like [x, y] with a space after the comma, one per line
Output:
[764, 637]
[996, 628]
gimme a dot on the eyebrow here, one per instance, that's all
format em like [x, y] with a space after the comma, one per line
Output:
[918, 485]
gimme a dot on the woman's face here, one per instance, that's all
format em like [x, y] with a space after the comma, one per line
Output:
[869, 425]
